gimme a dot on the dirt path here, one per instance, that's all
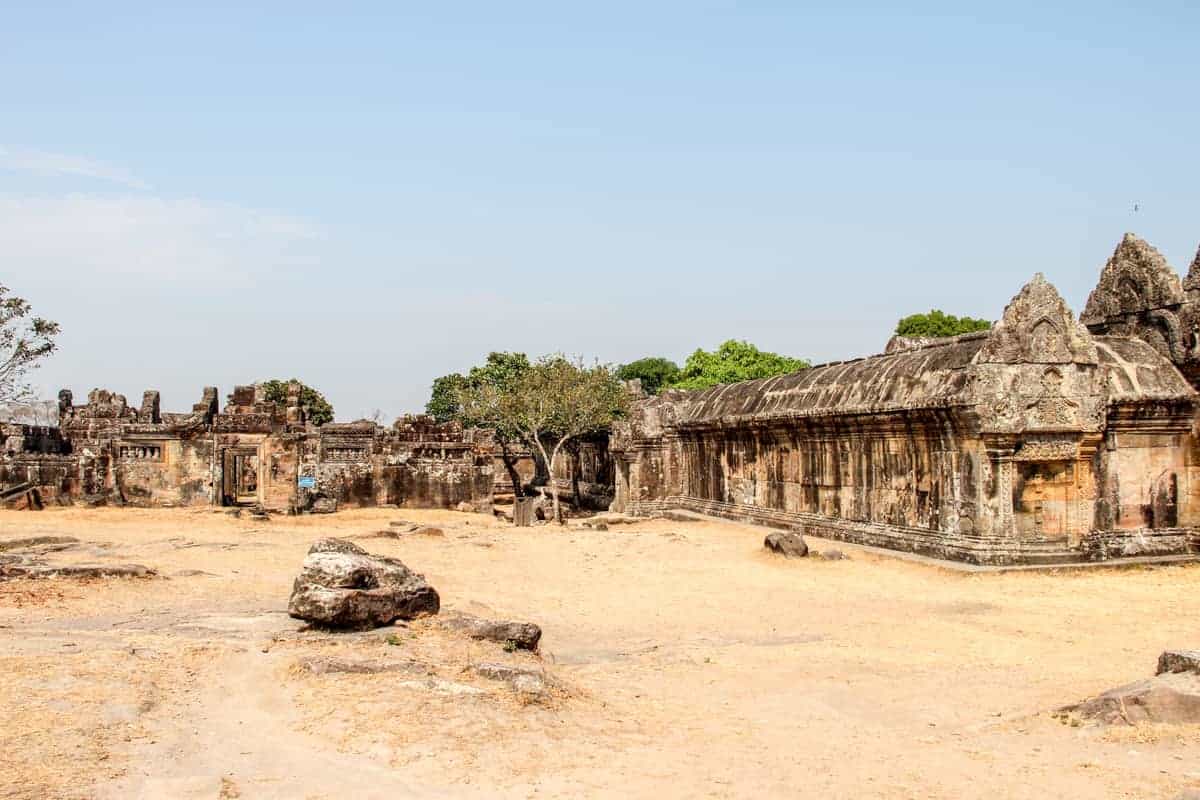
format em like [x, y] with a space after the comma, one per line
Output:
[687, 661]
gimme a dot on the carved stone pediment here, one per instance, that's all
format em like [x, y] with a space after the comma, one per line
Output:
[1038, 328]
[1136, 278]
[1192, 281]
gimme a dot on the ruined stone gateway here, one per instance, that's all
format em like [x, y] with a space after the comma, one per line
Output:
[253, 452]
[1044, 440]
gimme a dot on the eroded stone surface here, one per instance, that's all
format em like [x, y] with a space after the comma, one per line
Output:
[1168, 698]
[522, 635]
[342, 586]
[528, 681]
[253, 453]
[1179, 661]
[325, 665]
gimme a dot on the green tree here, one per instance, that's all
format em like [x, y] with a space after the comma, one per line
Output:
[443, 397]
[498, 373]
[317, 409]
[24, 341]
[937, 323]
[550, 404]
[732, 362]
[654, 373]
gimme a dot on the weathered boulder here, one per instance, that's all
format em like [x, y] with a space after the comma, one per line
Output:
[1179, 661]
[788, 544]
[523, 635]
[1172, 697]
[833, 555]
[343, 586]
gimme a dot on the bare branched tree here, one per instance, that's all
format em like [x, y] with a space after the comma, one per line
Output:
[24, 341]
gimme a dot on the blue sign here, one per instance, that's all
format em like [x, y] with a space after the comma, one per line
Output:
[306, 482]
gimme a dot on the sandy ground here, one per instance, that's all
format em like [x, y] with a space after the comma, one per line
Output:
[687, 663]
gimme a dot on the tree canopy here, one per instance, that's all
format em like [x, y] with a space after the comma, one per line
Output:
[732, 362]
[24, 341]
[549, 404]
[653, 372]
[500, 369]
[936, 323]
[443, 397]
[317, 409]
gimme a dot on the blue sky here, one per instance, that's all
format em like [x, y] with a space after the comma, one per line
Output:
[372, 196]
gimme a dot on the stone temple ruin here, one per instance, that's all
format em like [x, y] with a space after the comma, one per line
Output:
[1044, 440]
[253, 452]
[1048, 439]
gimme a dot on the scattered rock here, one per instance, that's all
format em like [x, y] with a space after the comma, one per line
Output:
[75, 571]
[402, 524]
[1179, 661]
[321, 665]
[234, 512]
[400, 533]
[788, 544]
[323, 505]
[833, 555]
[523, 680]
[1172, 697]
[192, 573]
[464, 507]
[617, 519]
[343, 586]
[38, 541]
[681, 516]
[599, 526]
[523, 635]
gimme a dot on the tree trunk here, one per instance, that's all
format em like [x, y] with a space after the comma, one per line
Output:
[510, 466]
[551, 461]
[576, 470]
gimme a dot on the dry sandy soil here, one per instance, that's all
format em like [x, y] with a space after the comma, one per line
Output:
[687, 663]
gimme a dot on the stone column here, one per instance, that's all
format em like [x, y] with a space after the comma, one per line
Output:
[1000, 453]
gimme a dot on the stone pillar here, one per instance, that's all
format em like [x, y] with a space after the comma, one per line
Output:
[1000, 453]
[1083, 507]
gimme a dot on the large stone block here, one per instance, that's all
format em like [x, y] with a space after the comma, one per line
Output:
[343, 586]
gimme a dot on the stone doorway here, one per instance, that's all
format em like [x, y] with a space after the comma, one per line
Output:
[239, 476]
[1041, 500]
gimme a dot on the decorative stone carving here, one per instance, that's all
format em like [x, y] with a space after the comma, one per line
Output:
[1136, 278]
[1052, 408]
[1192, 281]
[1038, 328]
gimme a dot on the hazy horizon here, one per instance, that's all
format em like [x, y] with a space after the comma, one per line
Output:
[372, 198]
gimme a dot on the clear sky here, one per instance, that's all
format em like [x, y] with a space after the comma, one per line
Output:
[367, 196]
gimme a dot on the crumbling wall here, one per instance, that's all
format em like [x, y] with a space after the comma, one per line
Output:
[250, 452]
